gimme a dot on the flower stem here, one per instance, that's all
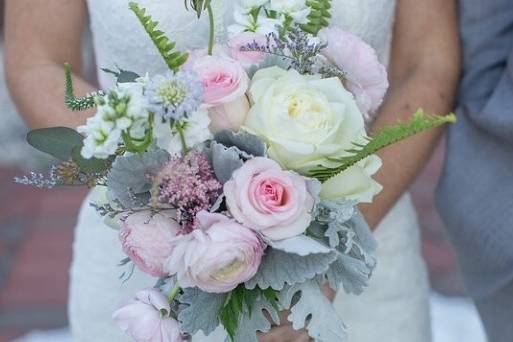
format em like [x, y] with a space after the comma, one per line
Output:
[211, 36]
[173, 292]
[179, 126]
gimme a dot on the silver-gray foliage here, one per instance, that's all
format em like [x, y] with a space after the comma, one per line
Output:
[310, 309]
[244, 141]
[279, 268]
[200, 311]
[129, 181]
[224, 160]
[255, 321]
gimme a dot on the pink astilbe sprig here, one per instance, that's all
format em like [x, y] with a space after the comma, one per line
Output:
[188, 184]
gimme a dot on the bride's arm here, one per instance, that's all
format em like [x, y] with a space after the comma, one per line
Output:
[41, 35]
[424, 73]
[425, 66]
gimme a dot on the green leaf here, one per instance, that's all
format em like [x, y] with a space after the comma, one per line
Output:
[56, 141]
[122, 76]
[319, 16]
[386, 137]
[72, 102]
[90, 166]
[174, 59]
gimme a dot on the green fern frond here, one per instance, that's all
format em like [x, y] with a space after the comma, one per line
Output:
[174, 59]
[386, 137]
[319, 16]
[72, 102]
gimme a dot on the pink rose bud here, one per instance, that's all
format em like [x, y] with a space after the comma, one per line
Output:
[146, 318]
[366, 76]
[230, 116]
[147, 239]
[263, 197]
[216, 257]
[247, 58]
[224, 79]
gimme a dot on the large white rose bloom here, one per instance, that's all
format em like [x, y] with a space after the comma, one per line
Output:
[305, 120]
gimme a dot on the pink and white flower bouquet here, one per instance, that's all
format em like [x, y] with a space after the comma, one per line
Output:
[234, 177]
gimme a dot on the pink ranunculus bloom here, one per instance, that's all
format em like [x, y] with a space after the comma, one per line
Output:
[224, 79]
[147, 239]
[367, 78]
[230, 116]
[146, 318]
[217, 256]
[247, 58]
[266, 198]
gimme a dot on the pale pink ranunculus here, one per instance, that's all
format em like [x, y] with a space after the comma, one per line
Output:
[247, 58]
[146, 318]
[229, 116]
[367, 78]
[224, 79]
[216, 257]
[263, 197]
[147, 238]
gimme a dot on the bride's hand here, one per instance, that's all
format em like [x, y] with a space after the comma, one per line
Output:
[284, 332]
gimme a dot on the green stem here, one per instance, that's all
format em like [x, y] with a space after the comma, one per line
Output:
[173, 292]
[211, 36]
[179, 128]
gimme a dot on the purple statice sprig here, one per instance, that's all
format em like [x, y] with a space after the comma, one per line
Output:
[175, 95]
[297, 48]
[40, 180]
[188, 184]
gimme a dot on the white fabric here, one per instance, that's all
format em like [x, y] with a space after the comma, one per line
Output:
[394, 309]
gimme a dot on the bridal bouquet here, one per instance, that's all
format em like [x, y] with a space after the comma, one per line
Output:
[234, 177]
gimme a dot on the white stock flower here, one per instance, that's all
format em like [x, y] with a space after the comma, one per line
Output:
[245, 22]
[196, 131]
[296, 9]
[305, 121]
[122, 109]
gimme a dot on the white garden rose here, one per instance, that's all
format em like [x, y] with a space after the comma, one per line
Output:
[305, 120]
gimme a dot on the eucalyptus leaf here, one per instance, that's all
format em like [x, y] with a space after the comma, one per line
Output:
[129, 178]
[92, 165]
[313, 311]
[201, 310]
[56, 141]
[279, 268]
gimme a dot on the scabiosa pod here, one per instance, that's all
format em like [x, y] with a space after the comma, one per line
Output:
[175, 95]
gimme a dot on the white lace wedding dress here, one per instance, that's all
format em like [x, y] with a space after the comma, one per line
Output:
[395, 308]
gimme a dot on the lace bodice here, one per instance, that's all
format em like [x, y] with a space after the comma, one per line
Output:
[120, 40]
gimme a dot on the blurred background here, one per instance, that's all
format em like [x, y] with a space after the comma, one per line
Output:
[36, 234]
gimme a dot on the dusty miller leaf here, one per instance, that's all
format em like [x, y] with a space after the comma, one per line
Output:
[314, 311]
[244, 141]
[301, 245]
[224, 160]
[255, 321]
[279, 268]
[128, 179]
[201, 311]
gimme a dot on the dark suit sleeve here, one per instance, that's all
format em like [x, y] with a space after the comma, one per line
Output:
[487, 85]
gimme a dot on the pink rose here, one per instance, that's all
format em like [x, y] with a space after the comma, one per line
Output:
[217, 256]
[247, 58]
[224, 79]
[263, 197]
[366, 76]
[146, 318]
[147, 239]
[229, 116]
